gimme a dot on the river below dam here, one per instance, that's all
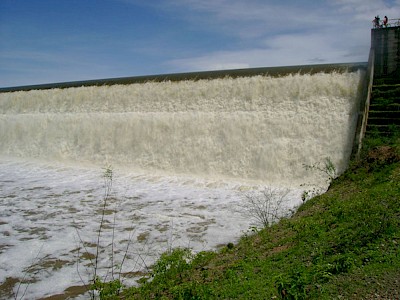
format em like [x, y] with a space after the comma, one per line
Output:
[183, 156]
[50, 216]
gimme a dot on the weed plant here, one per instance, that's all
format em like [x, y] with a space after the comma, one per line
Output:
[326, 170]
[265, 207]
[110, 285]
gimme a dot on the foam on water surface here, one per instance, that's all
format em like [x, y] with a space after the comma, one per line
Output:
[50, 215]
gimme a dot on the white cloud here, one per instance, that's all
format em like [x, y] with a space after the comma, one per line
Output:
[367, 9]
[282, 50]
[286, 34]
[321, 45]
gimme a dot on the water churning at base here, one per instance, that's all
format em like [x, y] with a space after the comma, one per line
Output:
[249, 128]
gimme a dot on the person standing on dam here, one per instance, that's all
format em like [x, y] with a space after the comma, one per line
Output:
[376, 22]
[385, 21]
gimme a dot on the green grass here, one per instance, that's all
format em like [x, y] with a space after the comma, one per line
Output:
[344, 244]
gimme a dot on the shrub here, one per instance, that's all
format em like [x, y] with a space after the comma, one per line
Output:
[266, 207]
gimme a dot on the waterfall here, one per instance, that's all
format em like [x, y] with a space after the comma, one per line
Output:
[253, 128]
[218, 138]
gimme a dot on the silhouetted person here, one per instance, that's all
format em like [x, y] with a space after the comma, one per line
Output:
[376, 22]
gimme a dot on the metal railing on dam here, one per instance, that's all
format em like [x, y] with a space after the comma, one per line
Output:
[270, 71]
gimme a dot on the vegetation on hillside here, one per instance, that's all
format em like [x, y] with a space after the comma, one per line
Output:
[344, 244]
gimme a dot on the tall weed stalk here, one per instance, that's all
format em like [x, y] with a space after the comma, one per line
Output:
[265, 207]
[327, 170]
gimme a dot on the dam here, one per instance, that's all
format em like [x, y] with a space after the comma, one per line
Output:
[260, 127]
[184, 150]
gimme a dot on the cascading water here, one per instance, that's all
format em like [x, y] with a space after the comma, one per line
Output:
[256, 128]
[182, 153]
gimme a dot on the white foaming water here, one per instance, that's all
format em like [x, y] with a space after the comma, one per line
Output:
[50, 215]
[239, 134]
[255, 128]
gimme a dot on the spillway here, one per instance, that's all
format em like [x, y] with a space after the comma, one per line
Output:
[252, 128]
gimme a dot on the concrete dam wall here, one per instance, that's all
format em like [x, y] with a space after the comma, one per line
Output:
[261, 125]
[386, 45]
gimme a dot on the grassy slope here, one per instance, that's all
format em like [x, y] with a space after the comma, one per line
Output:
[344, 244]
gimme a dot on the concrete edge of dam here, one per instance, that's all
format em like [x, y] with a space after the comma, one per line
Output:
[271, 71]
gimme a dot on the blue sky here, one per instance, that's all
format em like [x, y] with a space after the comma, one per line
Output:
[46, 41]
